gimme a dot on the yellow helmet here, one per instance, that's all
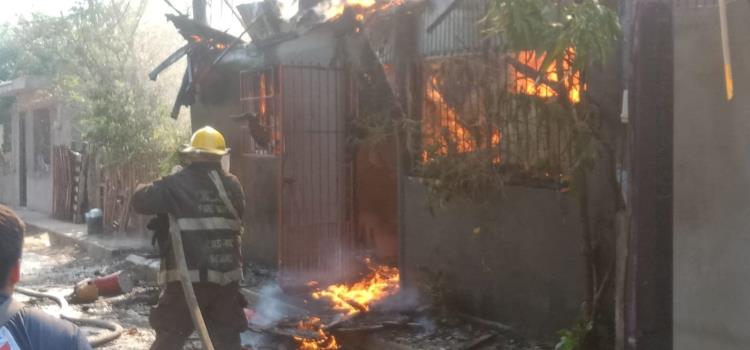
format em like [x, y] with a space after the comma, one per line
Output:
[207, 140]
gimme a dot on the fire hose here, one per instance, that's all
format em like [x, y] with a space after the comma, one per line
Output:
[96, 341]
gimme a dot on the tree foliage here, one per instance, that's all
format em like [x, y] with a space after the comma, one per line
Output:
[591, 31]
[96, 54]
[552, 27]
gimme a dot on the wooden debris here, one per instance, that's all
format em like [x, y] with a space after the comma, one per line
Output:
[355, 304]
[377, 327]
[288, 333]
[338, 323]
[396, 324]
[372, 328]
[487, 323]
[478, 342]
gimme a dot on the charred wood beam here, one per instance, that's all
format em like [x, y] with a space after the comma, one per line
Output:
[182, 94]
[528, 71]
[188, 27]
[174, 57]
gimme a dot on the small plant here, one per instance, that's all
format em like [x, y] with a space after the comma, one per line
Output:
[574, 338]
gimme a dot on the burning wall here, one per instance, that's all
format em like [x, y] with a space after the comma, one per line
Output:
[471, 104]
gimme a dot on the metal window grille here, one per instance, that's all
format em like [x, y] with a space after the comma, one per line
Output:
[258, 91]
[465, 109]
[316, 199]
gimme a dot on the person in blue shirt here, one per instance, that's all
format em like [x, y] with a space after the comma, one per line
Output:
[23, 328]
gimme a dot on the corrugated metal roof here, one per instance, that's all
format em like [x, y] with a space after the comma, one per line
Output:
[444, 28]
[458, 32]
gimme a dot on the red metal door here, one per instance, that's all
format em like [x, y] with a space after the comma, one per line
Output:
[316, 184]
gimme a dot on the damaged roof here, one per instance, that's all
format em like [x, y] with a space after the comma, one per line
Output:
[443, 28]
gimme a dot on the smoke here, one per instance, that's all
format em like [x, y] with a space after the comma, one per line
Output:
[269, 309]
[405, 300]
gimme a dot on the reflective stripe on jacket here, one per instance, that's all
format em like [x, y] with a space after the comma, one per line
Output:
[210, 232]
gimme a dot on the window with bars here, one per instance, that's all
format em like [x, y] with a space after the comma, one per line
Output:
[258, 92]
[483, 104]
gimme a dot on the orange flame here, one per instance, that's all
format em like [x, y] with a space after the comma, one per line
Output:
[495, 142]
[448, 121]
[326, 341]
[381, 282]
[527, 85]
[262, 101]
[336, 7]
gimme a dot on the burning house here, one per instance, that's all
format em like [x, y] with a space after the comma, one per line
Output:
[300, 104]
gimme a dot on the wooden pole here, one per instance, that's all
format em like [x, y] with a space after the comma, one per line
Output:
[187, 286]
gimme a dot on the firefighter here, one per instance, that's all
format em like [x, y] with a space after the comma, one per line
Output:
[205, 203]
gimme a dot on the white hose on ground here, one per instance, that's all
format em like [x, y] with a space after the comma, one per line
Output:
[116, 329]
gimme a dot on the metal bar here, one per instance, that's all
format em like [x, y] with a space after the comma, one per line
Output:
[174, 57]
[280, 178]
[649, 298]
[729, 84]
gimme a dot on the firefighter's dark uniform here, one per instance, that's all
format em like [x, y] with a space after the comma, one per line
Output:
[211, 238]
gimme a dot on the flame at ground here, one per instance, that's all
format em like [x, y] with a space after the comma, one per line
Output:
[326, 341]
[381, 282]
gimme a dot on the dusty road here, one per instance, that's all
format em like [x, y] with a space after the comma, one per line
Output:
[56, 270]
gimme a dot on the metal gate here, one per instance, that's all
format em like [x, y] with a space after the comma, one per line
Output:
[316, 183]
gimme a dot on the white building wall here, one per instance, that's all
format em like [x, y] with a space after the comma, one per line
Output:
[9, 178]
[38, 178]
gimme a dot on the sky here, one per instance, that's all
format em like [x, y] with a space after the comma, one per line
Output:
[219, 15]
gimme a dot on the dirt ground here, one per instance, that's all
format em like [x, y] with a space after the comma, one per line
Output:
[56, 270]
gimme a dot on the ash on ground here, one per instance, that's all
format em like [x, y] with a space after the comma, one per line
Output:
[421, 330]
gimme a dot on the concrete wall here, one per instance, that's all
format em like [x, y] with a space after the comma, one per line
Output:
[523, 266]
[711, 183]
[9, 179]
[260, 183]
[39, 181]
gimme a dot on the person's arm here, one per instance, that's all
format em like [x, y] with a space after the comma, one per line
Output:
[80, 342]
[237, 194]
[151, 199]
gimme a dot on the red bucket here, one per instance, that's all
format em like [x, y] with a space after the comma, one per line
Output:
[114, 284]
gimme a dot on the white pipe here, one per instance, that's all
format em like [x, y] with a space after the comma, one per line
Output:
[65, 314]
